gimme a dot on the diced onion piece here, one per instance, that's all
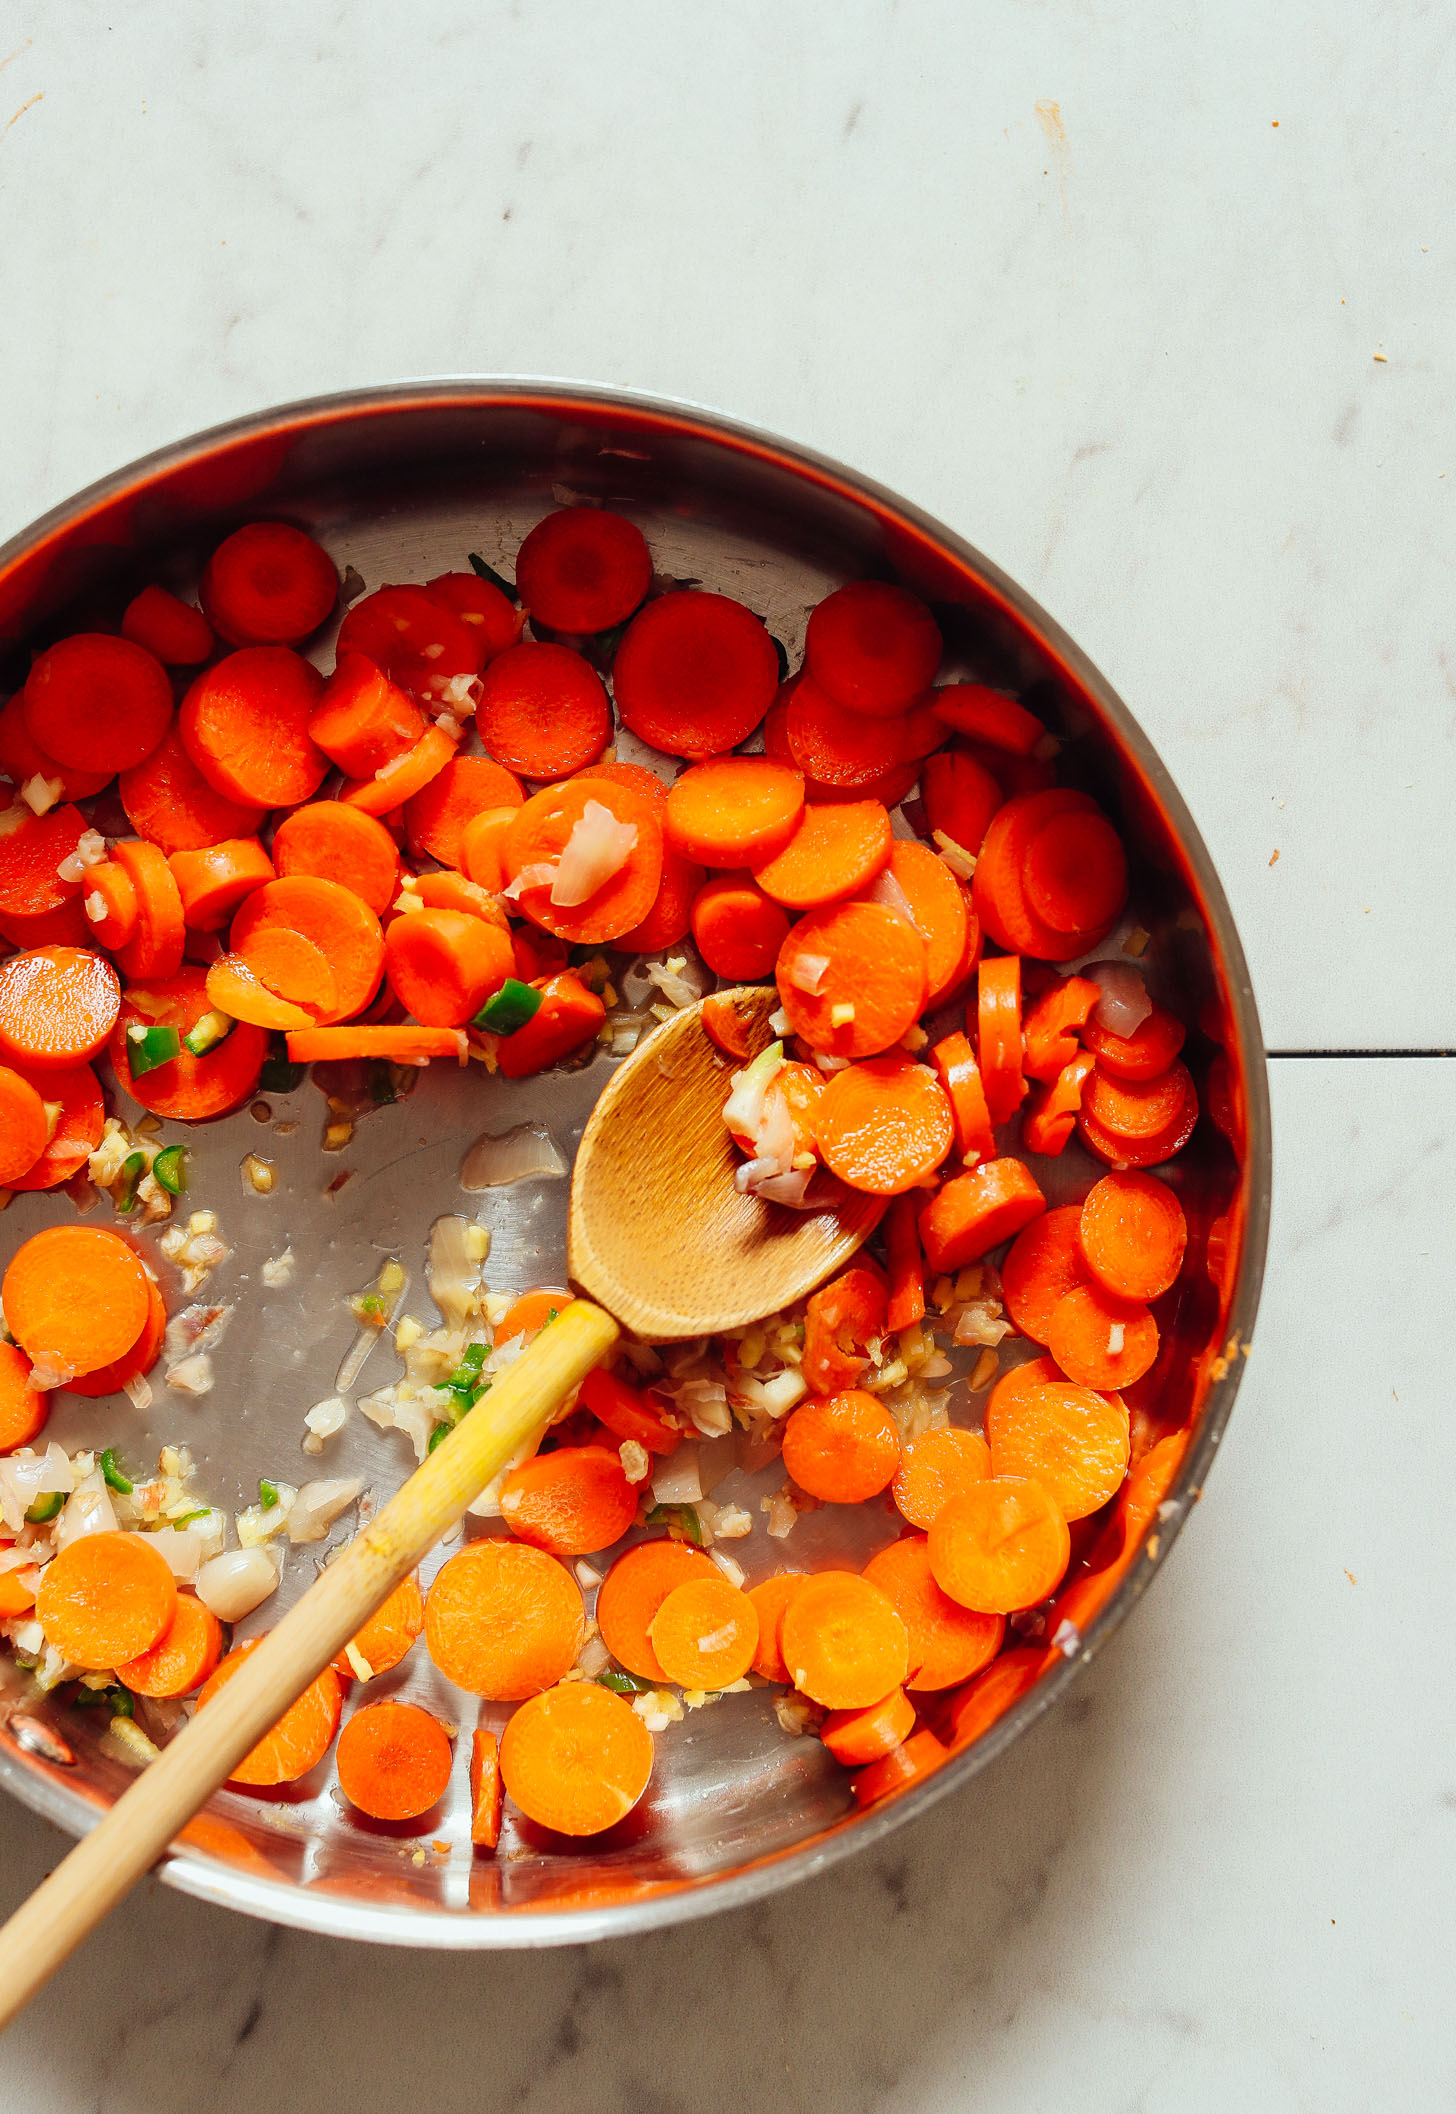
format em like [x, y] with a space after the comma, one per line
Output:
[598, 847]
[541, 873]
[888, 893]
[90, 851]
[238, 1581]
[520, 1155]
[961, 862]
[1124, 1004]
[318, 1505]
[806, 972]
[675, 1479]
[41, 794]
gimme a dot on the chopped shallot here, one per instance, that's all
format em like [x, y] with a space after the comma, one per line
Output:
[599, 847]
[887, 892]
[806, 972]
[1124, 1004]
[318, 1505]
[233, 1584]
[541, 873]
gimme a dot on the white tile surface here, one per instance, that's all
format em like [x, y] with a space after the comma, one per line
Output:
[1220, 1880]
[1051, 270]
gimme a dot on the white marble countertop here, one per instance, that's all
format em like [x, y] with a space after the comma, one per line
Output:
[1154, 305]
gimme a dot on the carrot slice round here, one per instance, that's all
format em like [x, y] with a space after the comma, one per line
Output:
[670, 919]
[884, 1124]
[855, 1737]
[694, 674]
[1072, 1440]
[169, 802]
[182, 1657]
[97, 703]
[571, 1502]
[1075, 873]
[836, 747]
[990, 716]
[960, 1075]
[940, 911]
[22, 758]
[705, 1633]
[1000, 1546]
[998, 1034]
[770, 1597]
[1145, 1054]
[851, 978]
[948, 1643]
[1118, 1150]
[385, 1638]
[998, 889]
[415, 638]
[342, 927]
[30, 886]
[543, 711]
[632, 1592]
[493, 620]
[1044, 1263]
[393, 1760]
[245, 724]
[483, 847]
[975, 1212]
[539, 835]
[24, 1409]
[960, 797]
[935, 1468]
[57, 1007]
[873, 647]
[1136, 1108]
[75, 1297]
[110, 1379]
[583, 569]
[844, 1642]
[155, 947]
[171, 629]
[734, 810]
[190, 1088]
[736, 929]
[23, 1124]
[842, 1448]
[292, 967]
[834, 852]
[399, 781]
[78, 1128]
[1102, 1342]
[234, 987]
[636, 775]
[1133, 1234]
[576, 1759]
[503, 1620]
[211, 883]
[920, 1755]
[268, 585]
[104, 1598]
[302, 1736]
[362, 721]
[436, 819]
[442, 965]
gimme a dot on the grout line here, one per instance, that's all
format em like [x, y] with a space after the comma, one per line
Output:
[1360, 1053]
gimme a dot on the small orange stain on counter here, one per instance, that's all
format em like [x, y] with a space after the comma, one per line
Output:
[1352, 1578]
[1273, 858]
[38, 97]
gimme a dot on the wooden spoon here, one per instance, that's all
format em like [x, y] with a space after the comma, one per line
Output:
[659, 1233]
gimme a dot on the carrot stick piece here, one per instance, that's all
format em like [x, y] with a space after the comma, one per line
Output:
[268, 585]
[632, 1592]
[842, 1448]
[212, 882]
[1101, 1342]
[503, 1620]
[182, 1657]
[387, 1635]
[57, 1007]
[694, 674]
[75, 1297]
[393, 1760]
[855, 1737]
[97, 703]
[571, 1502]
[576, 1758]
[583, 569]
[975, 1212]
[1132, 1233]
[948, 1642]
[998, 1034]
[844, 1643]
[245, 724]
[705, 1633]
[405, 1045]
[170, 629]
[302, 1736]
[1072, 1440]
[733, 811]
[906, 1271]
[921, 1755]
[935, 1468]
[873, 647]
[960, 1075]
[1000, 1546]
[485, 1789]
[104, 1598]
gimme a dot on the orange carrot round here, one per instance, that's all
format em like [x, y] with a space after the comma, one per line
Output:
[539, 837]
[844, 1643]
[975, 1212]
[331, 841]
[1121, 1147]
[1049, 1113]
[961, 797]
[290, 965]
[57, 1007]
[182, 1657]
[670, 919]
[169, 802]
[1000, 1546]
[82, 1118]
[543, 711]
[705, 1633]
[725, 1026]
[948, 1642]
[736, 929]
[362, 721]
[576, 1759]
[302, 1736]
[1071, 1440]
[1101, 1342]
[920, 1755]
[110, 1379]
[245, 724]
[435, 820]
[1135, 1109]
[503, 1620]
[960, 1075]
[936, 1467]
[989, 716]
[734, 810]
[834, 852]
[483, 845]
[75, 1297]
[385, 1638]
[342, 927]
[1145, 1054]
[583, 569]
[212, 883]
[268, 585]
[22, 758]
[190, 1088]
[873, 647]
[694, 674]
[1075, 873]
[442, 966]
[852, 978]
[111, 904]
[841, 753]
[571, 1502]
[1132, 1234]
[770, 1597]
[23, 1409]
[415, 638]
[637, 775]
[629, 1412]
[489, 616]
[234, 987]
[97, 703]
[1044, 1262]
[485, 1789]
[155, 947]
[393, 1760]
[170, 629]
[855, 1737]
[884, 1124]
[998, 890]
[30, 886]
[938, 908]
[632, 1592]
[993, 1692]
[105, 1598]
[842, 1448]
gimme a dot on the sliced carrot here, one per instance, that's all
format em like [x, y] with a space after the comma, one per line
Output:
[543, 711]
[835, 747]
[694, 674]
[583, 569]
[1032, 1374]
[362, 721]
[57, 1007]
[436, 819]
[990, 716]
[493, 620]
[844, 1642]
[399, 781]
[576, 1759]
[212, 882]
[1000, 1546]
[734, 810]
[503, 1620]
[110, 1379]
[302, 1736]
[169, 802]
[905, 1269]
[1136, 1108]
[393, 1760]
[1049, 1030]
[415, 638]
[975, 1212]
[935, 1468]
[1145, 1054]
[1133, 1234]
[442, 966]
[960, 798]
[998, 890]
[636, 775]
[16, 1598]
[1075, 873]
[531, 1311]
[842, 1448]
[234, 987]
[21, 757]
[629, 1412]
[919, 883]
[1101, 1342]
[30, 885]
[78, 1128]
[485, 1788]
[920, 1755]
[387, 1635]
[800, 1087]
[834, 852]
[568, 1016]
[736, 929]
[482, 847]
[1043, 1264]
[884, 1124]
[572, 1502]
[105, 1598]
[1049, 1113]
[539, 836]
[268, 585]
[770, 1597]
[97, 703]
[1119, 1148]
[992, 1693]
[23, 1409]
[960, 1076]
[444, 890]
[170, 629]
[841, 1319]
[111, 908]
[852, 978]
[245, 724]
[872, 647]
[632, 1592]
[190, 1088]
[338, 843]
[292, 967]
[670, 919]
[182, 1657]
[998, 1034]
[75, 1297]
[155, 948]
[1072, 1440]
[342, 927]
[724, 1025]
[403, 1045]
[948, 1643]
[705, 1633]
[855, 1737]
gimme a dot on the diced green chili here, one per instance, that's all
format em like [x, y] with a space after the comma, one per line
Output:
[170, 1169]
[280, 1075]
[683, 1517]
[441, 1431]
[267, 1493]
[509, 1008]
[46, 1506]
[147, 1047]
[133, 1167]
[623, 1684]
[111, 1473]
[383, 1087]
[202, 1512]
[207, 1033]
[483, 571]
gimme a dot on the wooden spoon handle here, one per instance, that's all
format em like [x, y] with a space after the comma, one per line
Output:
[102, 1867]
